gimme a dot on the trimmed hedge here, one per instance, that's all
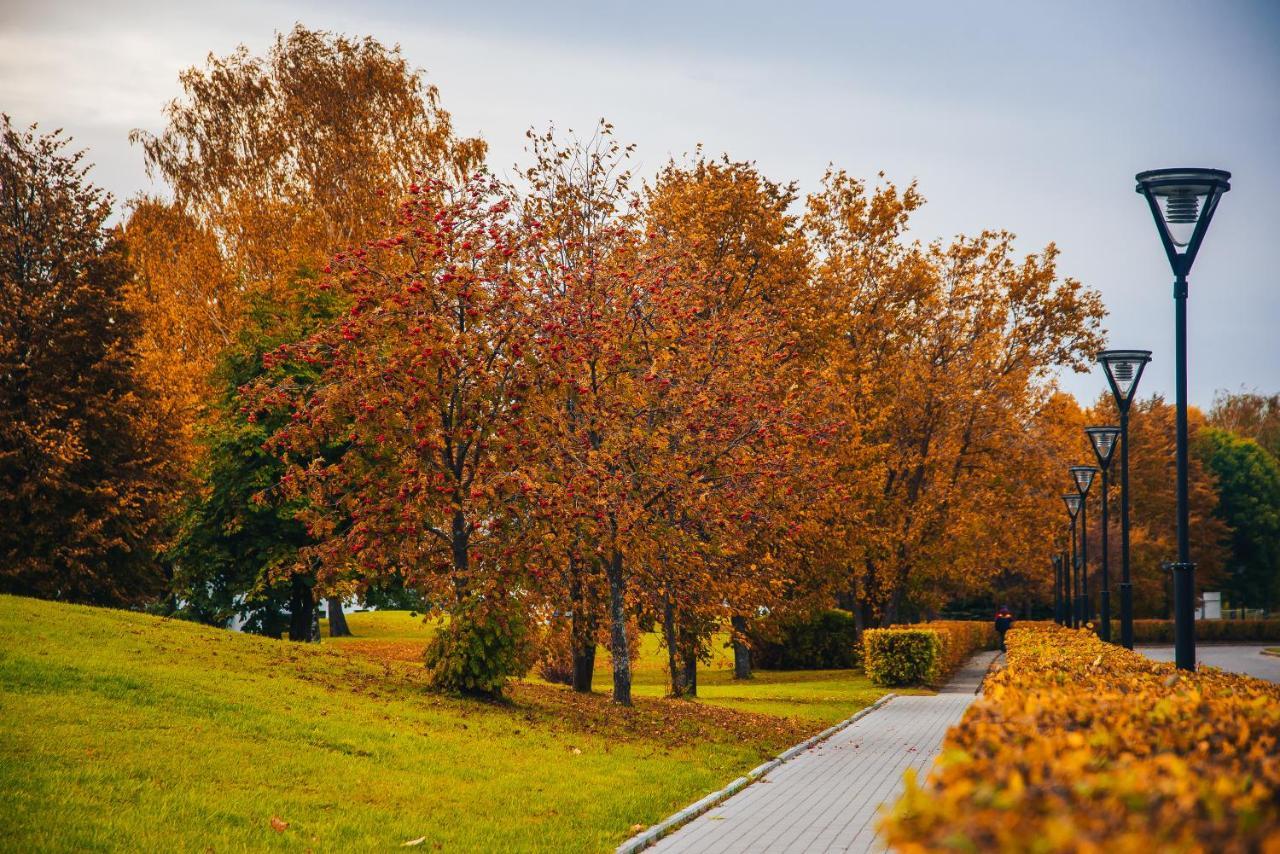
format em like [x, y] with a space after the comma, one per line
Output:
[1079, 745]
[1246, 631]
[960, 640]
[928, 653]
[901, 656]
[827, 640]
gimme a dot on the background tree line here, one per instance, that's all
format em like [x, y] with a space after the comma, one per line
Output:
[344, 359]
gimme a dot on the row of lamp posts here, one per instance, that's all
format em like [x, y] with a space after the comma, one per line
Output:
[1183, 202]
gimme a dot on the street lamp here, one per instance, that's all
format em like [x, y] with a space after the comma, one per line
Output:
[1124, 369]
[1073, 500]
[1182, 202]
[1104, 445]
[1083, 476]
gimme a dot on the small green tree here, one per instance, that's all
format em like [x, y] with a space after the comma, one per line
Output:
[239, 539]
[1249, 502]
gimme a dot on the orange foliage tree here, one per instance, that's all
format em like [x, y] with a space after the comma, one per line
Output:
[950, 352]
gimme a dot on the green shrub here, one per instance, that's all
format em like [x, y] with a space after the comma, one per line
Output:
[901, 656]
[479, 649]
[827, 640]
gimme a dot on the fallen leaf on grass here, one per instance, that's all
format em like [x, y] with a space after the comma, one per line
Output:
[278, 824]
[418, 841]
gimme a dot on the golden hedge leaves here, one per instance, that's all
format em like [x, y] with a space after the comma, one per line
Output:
[1078, 745]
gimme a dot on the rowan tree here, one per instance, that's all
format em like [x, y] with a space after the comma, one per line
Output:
[656, 402]
[422, 383]
[83, 486]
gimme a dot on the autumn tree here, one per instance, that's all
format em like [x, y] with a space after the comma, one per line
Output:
[736, 229]
[1153, 504]
[656, 403]
[289, 157]
[945, 352]
[83, 486]
[189, 306]
[1251, 415]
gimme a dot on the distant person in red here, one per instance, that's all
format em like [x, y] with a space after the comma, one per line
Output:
[1004, 621]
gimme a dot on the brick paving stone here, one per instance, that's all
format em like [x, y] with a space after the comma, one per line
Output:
[828, 798]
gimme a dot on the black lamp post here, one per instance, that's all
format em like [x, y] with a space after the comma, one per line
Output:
[1104, 445]
[1066, 592]
[1074, 501]
[1056, 560]
[1124, 369]
[1182, 202]
[1083, 476]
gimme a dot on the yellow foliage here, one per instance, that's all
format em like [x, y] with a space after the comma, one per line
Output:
[1078, 745]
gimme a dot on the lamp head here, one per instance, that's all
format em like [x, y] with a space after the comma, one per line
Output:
[1183, 202]
[1083, 476]
[1073, 500]
[1123, 369]
[1104, 441]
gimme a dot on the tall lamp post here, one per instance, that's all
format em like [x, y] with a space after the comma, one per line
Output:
[1183, 202]
[1066, 590]
[1056, 560]
[1103, 440]
[1073, 500]
[1083, 476]
[1124, 369]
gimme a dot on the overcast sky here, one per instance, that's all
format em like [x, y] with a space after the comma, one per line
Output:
[1032, 117]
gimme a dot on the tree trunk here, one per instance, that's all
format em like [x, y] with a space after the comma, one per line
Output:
[741, 652]
[337, 620]
[690, 671]
[620, 654]
[582, 632]
[302, 606]
[671, 635]
[584, 666]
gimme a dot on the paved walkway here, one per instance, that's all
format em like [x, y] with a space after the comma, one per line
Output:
[827, 798]
[1234, 658]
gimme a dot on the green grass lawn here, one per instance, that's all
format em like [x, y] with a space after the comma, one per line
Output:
[824, 696]
[120, 731]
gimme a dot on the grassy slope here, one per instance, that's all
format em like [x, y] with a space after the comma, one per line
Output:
[824, 696]
[121, 731]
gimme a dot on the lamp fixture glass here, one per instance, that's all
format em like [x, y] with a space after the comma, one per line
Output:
[1183, 202]
[1124, 369]
[1104, 441]
[1073, 500]
[1083, 476]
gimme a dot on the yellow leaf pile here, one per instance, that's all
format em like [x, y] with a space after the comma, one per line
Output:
[1079, 745]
